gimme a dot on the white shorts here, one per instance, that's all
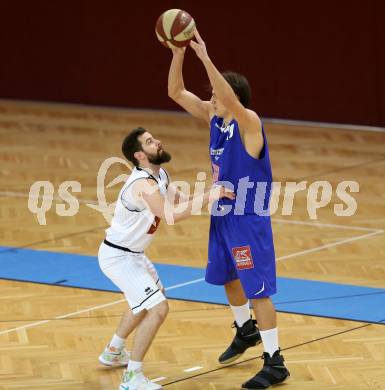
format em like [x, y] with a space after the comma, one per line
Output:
[135, 276]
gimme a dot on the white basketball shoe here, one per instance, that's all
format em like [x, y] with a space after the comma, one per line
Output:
[114, 357]
[135, 380]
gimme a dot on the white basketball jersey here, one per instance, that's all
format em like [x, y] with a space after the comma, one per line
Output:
[133, 224]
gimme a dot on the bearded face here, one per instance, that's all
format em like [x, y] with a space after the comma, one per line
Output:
[160, 157]
[153, 149]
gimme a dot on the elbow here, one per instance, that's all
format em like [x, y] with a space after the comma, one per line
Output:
[172, 94]
[176, 92]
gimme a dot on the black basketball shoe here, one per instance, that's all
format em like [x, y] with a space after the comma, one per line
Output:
[273, 372]
[247, 336]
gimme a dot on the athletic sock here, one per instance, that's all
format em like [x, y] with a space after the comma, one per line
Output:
[270, 340]
[117, 342]
[241, 313]
[134, 366]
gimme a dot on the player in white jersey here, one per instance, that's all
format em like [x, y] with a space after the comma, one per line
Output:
[146, 198]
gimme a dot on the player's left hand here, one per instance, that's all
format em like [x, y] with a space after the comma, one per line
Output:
[226, 193]
[199, 46]
[219, 192]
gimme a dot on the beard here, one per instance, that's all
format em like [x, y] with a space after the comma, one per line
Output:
[159, 158]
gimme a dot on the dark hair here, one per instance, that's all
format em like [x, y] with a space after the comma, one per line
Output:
[240, 86]
[131, 144]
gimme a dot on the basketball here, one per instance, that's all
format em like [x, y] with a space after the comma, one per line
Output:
[175, 28]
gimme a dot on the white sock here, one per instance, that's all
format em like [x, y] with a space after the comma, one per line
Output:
[134, 366]
[270, 340]
[117, 342]
[241, 313]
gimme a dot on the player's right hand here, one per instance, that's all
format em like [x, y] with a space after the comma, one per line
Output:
[199, 46]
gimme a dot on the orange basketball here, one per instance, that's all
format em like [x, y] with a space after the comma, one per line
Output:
[175, 28]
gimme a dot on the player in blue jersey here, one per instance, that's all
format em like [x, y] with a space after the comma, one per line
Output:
[241, 249]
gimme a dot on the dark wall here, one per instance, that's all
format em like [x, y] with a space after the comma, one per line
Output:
[320, 61]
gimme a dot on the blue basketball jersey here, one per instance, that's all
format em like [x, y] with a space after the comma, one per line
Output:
[241, 240]
[251, 177]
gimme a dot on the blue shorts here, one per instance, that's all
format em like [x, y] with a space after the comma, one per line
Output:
[242, 247]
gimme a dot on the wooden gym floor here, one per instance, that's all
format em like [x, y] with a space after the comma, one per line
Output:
[51, 336]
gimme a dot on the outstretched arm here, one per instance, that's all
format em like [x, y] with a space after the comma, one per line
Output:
[176, 196]
[177, 91]
[148, 192]
[248, 120]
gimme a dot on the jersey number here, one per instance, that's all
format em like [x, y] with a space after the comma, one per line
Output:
[154, 226]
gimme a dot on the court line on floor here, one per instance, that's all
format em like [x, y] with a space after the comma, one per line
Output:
[311, 250]
[279, 220]
[223, 307]
[194, 281]
[191, 369]
[326, 225]
[29, 244]
[326, 125]
[158, 379]
[306, 251]
[372, 231]
[360, 165]
[95, 109]
[34, 324]
[260, 356]
[330, 245]
[10, 194]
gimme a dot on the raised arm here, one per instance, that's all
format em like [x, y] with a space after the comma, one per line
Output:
[247, 119]
[177, 91]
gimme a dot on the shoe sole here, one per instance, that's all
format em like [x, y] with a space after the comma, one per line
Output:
[235, 357]
[110, 364]
[122, 387]
[275, 384]
[230, 360]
